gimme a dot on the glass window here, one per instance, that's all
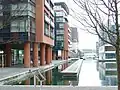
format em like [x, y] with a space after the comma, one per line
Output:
[59, 19]
[111, 72]
[59, 13]
[109, 55]
[57, 7]
[61, 25]
[59, 31]
[22, 26]
[59, 38]
[18, 26]
[111, 65]
[109, 48]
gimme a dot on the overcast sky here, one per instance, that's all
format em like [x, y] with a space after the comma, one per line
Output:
[86, 40]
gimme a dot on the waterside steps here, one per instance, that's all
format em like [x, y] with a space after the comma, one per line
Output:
[72, 72]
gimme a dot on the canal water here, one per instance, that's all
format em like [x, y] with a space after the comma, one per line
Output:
[53, 77]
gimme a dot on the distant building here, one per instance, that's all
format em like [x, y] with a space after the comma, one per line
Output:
[88, 51]
[62, 31]
[74, 38]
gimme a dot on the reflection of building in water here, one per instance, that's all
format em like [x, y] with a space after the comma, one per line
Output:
[107, 65]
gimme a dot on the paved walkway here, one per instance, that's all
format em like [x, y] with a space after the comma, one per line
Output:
[89, 76]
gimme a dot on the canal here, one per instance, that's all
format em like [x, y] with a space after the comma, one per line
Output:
[53, 77]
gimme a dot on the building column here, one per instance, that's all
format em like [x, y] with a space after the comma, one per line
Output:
[48, 54]
[42, 53]
[8, 55]
[27, 55]
[35, 54]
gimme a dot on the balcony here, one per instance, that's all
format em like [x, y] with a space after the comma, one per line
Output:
[47, 5]
[69, 35]
[52, 24]
[47, 19]
[69, 30]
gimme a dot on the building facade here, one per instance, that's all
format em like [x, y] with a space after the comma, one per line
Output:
[62, 30]
[27, 32]
[107, 59]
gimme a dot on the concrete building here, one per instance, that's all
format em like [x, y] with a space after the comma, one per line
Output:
[27, 26]
[62, 31]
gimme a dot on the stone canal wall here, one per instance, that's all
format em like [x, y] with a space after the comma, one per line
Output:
[56, 88]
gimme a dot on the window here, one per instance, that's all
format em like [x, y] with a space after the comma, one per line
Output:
[59, 31]
[59, 38]
[46, 30]
[18, 26]
[20, 6]
[109, 48]
[111, 65]
[31, 8]
[59, 13]
[59, 19]
[57, 7]
[109, 55]
[22, 26]
[61, 25]
[111, 72]
[46, 25]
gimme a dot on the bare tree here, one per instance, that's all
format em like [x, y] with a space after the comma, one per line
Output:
[97, 17]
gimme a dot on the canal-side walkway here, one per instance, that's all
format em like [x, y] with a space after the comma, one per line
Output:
[14, 72]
